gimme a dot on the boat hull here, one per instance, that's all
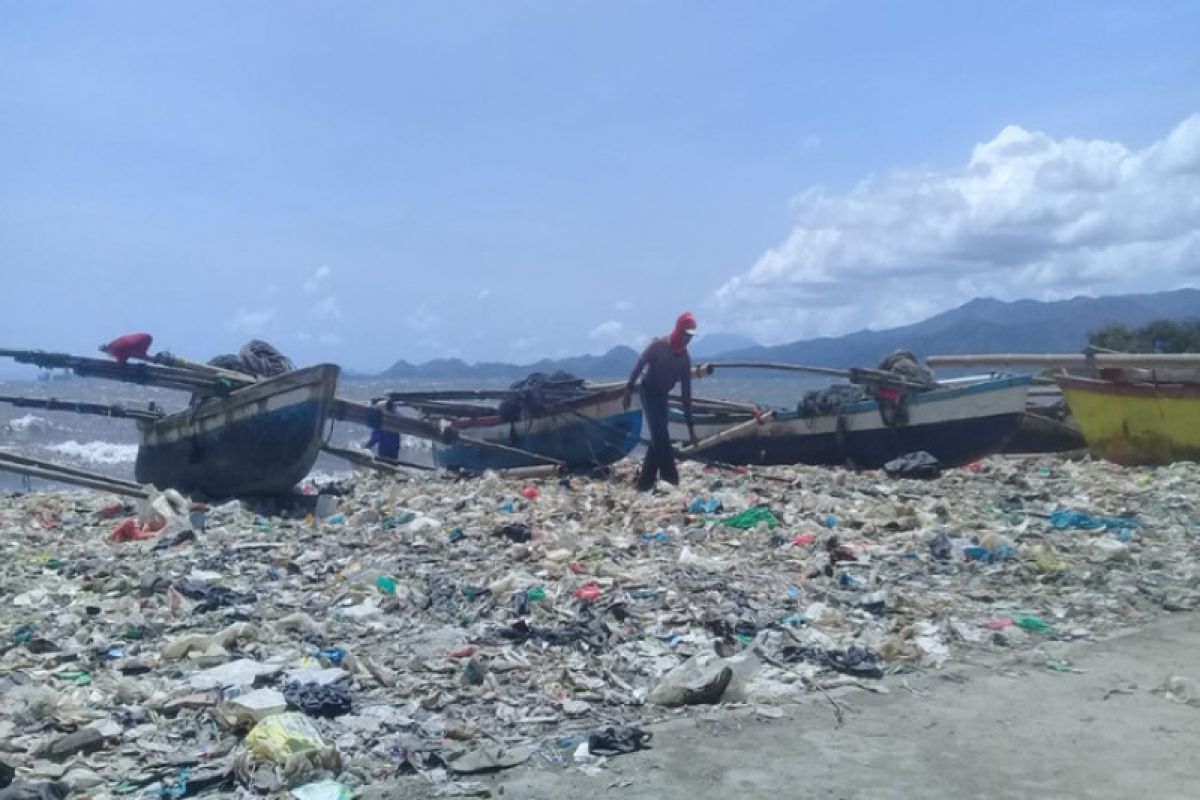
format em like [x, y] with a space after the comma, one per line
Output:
[581, 435]
[1045, 433]
[1136, 423]
[258, 441]
[957, 425]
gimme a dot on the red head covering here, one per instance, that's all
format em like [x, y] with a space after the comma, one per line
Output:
[685, 322]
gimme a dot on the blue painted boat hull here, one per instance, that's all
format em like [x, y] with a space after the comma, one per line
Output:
[257, 441]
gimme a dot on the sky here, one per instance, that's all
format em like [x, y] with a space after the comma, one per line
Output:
[365, 182]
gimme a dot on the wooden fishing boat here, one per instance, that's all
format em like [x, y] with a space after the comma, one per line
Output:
[1132, 408]
[259, 440]
[590, 430]
[1136, 419]
[957, 424]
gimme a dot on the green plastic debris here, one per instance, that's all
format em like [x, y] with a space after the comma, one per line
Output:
[23, 633]
[534, 594]
[1035, 624]
[322, 790]
[751, 517]
[386, 584]
[79, 677]
[396, 520]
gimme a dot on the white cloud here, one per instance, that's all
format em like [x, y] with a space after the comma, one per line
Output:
[313, 284]
[250, 321]
[623, 305]
[607, 332]
[326, 308]
[1026, 216]
[523, 345]
[485, 293]
[422, 319]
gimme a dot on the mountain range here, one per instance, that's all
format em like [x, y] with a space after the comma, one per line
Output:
[982, 325]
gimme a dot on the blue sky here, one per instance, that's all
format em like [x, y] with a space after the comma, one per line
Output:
[365, 182]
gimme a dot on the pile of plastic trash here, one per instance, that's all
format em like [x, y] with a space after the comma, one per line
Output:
[435, 629]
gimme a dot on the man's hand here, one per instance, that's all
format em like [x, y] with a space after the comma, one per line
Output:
[627, 400]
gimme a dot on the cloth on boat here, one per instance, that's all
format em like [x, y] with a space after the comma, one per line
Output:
[830, 400]
[892, 400]
[131, 345]
[257, 358]
[660, 458]
[904, 364]
[538, 392]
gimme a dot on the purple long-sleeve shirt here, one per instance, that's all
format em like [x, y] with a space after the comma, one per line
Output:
[664, 368]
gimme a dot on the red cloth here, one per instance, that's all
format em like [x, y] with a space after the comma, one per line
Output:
[685, 322]
[131, 345]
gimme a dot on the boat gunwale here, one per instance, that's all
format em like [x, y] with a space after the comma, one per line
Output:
[1135, 389]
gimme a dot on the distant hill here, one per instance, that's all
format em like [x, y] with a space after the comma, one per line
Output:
[616, 363]
[711, 344]
[979, 326]
[987, 326]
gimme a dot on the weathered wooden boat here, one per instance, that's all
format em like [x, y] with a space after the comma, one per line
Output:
[1136, 419]
[957, 424]
[590, 430]
[1132, 408]
[259, 440]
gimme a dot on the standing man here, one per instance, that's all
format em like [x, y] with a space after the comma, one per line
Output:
[666, 362]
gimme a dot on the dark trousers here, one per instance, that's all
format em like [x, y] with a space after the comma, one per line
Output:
[660, 459]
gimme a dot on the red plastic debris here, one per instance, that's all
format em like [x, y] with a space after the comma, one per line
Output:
[998, 624]
[130, 531]
[578, 568]
[466, 651]
[804, 539]
[975, 466]
[530, 493]
[588, 592]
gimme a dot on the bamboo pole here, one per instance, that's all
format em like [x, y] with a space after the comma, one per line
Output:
[370, 462]
[80, 407]
[53, 472]
[853, 375]
[726, 434]
[48, 465]
[1068, 360]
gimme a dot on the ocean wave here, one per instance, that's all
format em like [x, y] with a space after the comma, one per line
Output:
[97, 452]
[30, 423]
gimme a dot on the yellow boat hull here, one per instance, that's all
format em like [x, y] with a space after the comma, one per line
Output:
[1136, 423]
